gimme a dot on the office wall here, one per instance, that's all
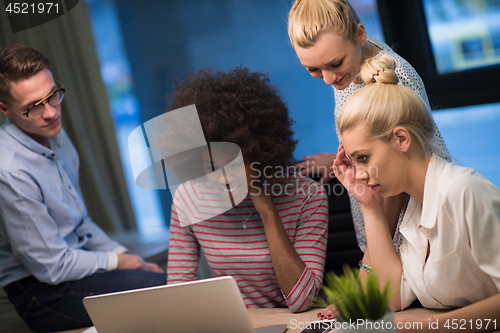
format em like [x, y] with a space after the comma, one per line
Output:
[165, 39]
[472, 135]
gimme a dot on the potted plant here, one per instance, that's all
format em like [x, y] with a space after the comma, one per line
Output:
[361, 306]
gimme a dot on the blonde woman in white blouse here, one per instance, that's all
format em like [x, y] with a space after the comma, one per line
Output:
[449, 256]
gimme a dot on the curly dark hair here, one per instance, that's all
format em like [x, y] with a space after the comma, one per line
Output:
[241, 107]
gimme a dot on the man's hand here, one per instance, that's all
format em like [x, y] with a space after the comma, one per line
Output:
[132, 261]
[154, 267]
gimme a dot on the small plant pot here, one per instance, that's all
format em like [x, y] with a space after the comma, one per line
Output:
[383, 325]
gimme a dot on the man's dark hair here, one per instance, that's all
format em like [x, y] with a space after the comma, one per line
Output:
[241, 107]
[18, 62]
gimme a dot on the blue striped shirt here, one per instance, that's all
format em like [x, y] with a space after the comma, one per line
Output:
[45, 230]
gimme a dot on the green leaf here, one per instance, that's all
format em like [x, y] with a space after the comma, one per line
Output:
[354, 299]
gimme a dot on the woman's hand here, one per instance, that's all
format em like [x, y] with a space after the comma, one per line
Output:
[260, 192]
[287, 264]
[317, 164]
[329, 312]
[345, 171]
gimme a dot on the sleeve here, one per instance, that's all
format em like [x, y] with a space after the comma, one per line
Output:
[409, 77]
[97, 239]
[35, 238]
[184, 249]
[310, 244]
[479, 201]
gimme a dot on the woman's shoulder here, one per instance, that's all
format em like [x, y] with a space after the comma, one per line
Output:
[470, 200]
[197, 192]
[386, 50]
[380, 44]
[402, 65]
[407, 75]
[458, 181]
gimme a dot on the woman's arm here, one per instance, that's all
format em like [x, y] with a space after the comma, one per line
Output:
[483, 316]
[299, 273]
[383, 256]
[476, 316]
[287, 264]
[379, 231]
[330, 311]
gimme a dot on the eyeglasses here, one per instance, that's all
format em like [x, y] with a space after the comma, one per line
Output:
[36, 111]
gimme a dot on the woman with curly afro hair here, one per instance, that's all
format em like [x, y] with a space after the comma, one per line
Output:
[273, 242]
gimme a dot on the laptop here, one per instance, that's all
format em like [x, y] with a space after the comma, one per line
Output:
[210, 305]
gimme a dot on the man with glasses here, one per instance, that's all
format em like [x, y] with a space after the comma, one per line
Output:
[51, 253]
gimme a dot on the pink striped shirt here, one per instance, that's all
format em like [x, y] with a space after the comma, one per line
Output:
[244, 253]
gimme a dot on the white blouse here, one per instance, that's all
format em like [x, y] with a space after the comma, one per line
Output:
[460, 222]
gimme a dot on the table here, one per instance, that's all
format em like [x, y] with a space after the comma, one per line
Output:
[268, 317]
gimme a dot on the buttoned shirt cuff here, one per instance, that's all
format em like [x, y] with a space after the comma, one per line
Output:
[112, 261]
[113, 257]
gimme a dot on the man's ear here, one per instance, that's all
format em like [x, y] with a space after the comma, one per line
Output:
[361, 35]
[402, 138]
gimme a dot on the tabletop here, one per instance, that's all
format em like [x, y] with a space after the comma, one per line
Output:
[297, 321]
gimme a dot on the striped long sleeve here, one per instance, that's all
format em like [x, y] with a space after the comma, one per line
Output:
[243, 253]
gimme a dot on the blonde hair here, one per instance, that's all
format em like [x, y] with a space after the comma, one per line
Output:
[308, 19]
[383, 105]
